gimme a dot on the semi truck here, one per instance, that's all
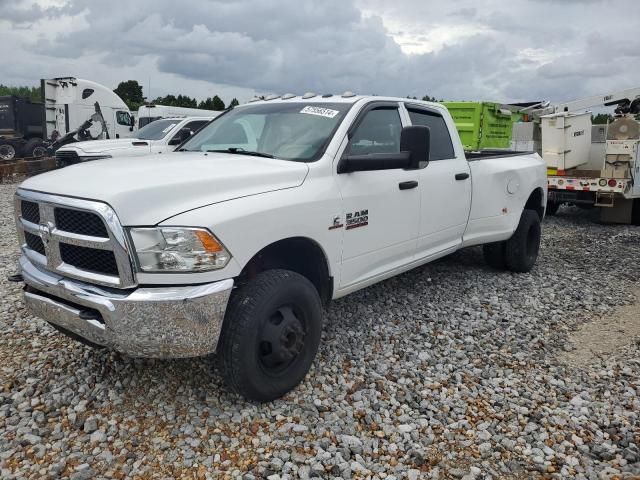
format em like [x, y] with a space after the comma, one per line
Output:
[236, 241]
[72, 109]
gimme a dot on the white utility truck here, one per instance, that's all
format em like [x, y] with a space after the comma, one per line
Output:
[151, 113]
[575, 176]
[161, 136]
[233, 243]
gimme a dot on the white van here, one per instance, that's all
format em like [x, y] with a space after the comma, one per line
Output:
[70, 102]
[150, 113]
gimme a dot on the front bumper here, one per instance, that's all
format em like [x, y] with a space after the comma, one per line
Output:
[163, 322]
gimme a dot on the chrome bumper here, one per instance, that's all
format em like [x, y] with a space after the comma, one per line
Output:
[163, 322]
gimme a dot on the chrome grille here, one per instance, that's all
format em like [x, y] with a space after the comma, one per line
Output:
[77, 221]
[89, 259]
[30, 211]
[79, 239]
[34, 242]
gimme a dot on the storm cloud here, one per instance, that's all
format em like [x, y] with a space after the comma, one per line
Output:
[456, 49]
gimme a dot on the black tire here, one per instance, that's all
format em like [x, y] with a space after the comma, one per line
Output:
[270, 335]
[35, 148]
[521, 250]
[495, 255]
[8, 151]
[552, 207]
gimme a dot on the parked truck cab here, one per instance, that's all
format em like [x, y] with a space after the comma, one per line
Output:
[234, 243]
[69, 102]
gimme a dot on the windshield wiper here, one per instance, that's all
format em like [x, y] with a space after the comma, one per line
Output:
[242, 151]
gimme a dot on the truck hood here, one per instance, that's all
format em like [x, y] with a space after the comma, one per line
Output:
[147, 190]
[105, 146]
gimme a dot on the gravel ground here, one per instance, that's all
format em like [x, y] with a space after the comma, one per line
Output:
[449, 371]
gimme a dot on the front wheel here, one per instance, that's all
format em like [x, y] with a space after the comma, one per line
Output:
[271, 334]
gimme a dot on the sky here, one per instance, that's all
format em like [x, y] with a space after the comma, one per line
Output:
[495, 50]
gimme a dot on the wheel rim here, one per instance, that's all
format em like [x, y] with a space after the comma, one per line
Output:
[281, 340]
[39, 152]
[7, 152]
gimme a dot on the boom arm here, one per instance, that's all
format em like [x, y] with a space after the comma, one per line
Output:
[627, 100]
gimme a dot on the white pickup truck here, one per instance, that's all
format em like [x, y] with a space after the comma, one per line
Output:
[235, 242]
[161, 136]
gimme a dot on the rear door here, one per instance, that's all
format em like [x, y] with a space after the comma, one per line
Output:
[445, 186]
[381, 209]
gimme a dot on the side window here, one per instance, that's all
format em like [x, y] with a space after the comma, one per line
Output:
[378, 132]
[87, 92]
[441, 145]
[195, 125]
[123, 118]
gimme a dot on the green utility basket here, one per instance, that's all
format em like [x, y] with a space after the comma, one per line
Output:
[482, 125]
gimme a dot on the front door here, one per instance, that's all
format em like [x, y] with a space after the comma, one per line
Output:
[381, 208]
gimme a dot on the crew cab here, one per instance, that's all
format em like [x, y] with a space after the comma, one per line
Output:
[234, 243]
[161, 136]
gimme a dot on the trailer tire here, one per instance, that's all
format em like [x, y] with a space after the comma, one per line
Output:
[495, 255]
[552, 207]
[270, 335]
[35, 148]
[7, 151]
[521, 250]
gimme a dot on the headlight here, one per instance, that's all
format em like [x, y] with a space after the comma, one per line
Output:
[178, 249]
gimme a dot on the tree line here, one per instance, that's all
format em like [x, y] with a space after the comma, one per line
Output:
[32, 93]
[131, 93]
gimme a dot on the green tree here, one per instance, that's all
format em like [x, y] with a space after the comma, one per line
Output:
[33, 93]
[212, 103]
[427, 98]
[601, 119]
[131, 93]
[234, 102]
[218, 104]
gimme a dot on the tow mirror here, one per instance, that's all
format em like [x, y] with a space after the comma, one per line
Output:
[416, 140]
[414, 148]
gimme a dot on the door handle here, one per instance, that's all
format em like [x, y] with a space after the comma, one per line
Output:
[408, 185]
[462, 176]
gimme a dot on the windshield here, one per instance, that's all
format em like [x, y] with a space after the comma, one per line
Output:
[157, 130]
[289, 131]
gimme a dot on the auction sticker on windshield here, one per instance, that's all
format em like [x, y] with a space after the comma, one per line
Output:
[323, 112]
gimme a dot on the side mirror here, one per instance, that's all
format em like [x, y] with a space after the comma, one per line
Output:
[416, 140]
[414, 148]
[181, 136]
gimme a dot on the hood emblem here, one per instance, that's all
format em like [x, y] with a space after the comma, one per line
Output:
[46, 232]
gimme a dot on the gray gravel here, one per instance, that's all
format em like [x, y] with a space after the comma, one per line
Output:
[449, 371]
